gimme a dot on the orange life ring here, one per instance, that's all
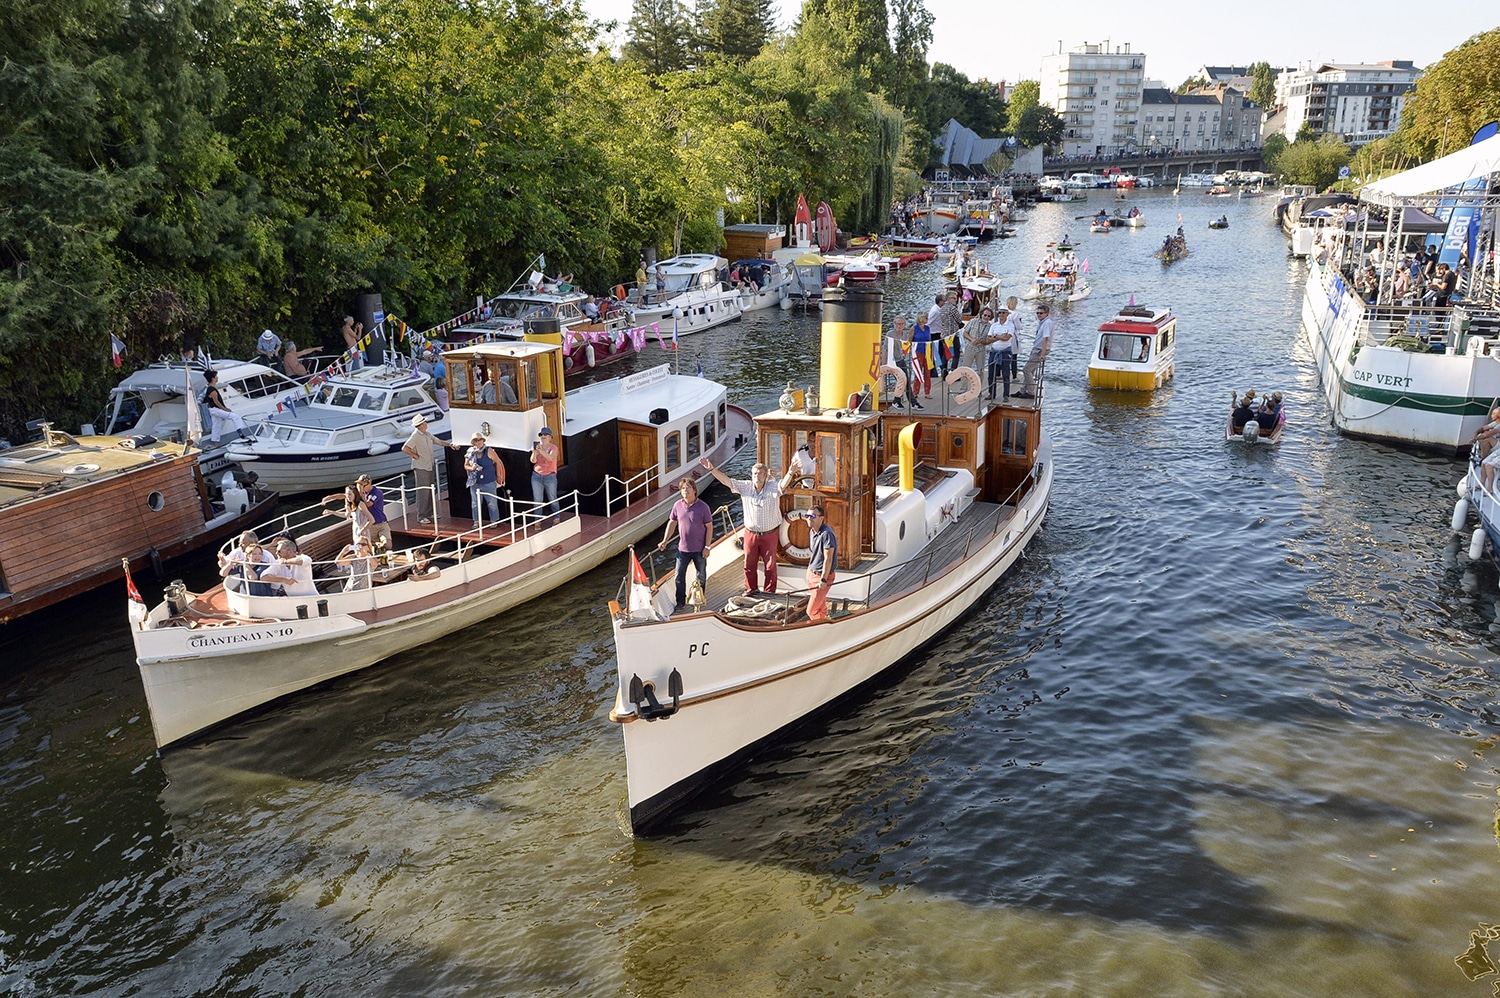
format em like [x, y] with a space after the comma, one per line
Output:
[886, 370]
[619, 292]
[967, 374]
[793, 553]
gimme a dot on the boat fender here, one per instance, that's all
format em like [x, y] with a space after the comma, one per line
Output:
[378, 447]
[790, 551]
[888, 371]
[1476, 543]
[970, 377]
[588, 355]
[1251, 432]
[1463, 487]
[1460, 515]
[155, 557]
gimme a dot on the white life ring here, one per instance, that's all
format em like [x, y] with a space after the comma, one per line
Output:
[886, 370]
[967, 374]
[588, 355]
[790, 551]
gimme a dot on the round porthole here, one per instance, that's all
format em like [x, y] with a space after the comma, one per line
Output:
[901, 533]
[958, 444]
[80, 469]
[156, 502]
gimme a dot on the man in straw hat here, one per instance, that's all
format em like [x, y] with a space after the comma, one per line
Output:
[422, 447]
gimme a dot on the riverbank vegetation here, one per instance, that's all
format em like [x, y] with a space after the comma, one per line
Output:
[210, 168]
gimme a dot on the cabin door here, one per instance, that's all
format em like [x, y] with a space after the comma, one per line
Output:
[638, 458]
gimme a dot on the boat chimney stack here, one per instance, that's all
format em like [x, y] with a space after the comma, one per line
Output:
[851, 340]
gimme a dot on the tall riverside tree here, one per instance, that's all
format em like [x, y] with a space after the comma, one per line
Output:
[1458, 93]
[856, 31]
[660, 36]
[124, 212]
[1025, 94]
[1263, 86]
[911, 35]
[735, 29]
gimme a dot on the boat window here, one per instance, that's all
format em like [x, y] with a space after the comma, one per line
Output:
[695, 442]
[569, 312]
[458, 382]
[674, 449]
[343, 396]
[315, 438]
[372, 401]
[532, 371]
[285, 433]
[708, 431]
[349, 436]
[774, 454]
[723, 417]
[1119, 346]
[404, 397]
[1013, 436]
[829, 447]
[1143, 352]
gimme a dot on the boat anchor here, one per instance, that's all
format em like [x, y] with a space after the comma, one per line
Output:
[643, 695]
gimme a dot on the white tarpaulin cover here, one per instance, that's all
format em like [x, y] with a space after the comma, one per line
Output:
[1441, 174]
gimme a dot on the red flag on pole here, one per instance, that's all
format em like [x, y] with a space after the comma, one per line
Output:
[637, 573]
[135, 607]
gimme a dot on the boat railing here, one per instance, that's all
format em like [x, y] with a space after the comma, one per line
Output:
[626, 491]
[871, 582]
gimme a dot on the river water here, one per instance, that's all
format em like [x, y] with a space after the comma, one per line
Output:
[1227, 730]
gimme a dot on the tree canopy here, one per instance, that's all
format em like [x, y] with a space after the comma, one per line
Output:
[1263, 86]
[211, 168]
[1456, 95]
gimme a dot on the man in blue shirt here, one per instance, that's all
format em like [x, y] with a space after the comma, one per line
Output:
[380, 533]
[823, 556]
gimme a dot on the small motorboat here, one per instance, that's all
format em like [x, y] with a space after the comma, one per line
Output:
[1137, 350]
[1099, 225]
[1264, 423]
[1219, 223]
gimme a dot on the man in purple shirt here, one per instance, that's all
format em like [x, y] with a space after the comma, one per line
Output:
[380, 533]
[693, 523]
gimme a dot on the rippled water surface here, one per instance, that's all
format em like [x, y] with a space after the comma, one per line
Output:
[1227, 730]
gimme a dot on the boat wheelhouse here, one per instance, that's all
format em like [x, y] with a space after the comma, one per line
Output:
[1136, 351]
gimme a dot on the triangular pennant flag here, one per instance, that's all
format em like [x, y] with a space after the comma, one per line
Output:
[637, 573]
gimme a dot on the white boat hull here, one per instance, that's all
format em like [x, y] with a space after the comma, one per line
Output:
[741, 689]
[691, 312]
[308, 472]
[1433, 401]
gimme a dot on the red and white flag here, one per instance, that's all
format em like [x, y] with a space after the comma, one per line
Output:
[135, 607]
[116, 349]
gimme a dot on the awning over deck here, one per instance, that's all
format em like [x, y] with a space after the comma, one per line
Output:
[1452, 170]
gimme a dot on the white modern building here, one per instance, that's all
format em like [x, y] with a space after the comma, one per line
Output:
[1097, 92]
[1358, 102]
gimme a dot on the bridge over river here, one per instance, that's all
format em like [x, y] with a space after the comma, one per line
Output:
[1162, 165]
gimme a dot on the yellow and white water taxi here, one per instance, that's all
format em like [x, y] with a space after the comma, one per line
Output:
[1137, 350]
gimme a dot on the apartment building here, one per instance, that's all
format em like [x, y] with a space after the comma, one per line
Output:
[1358, 102]
[1096, 91]
[1209, 118]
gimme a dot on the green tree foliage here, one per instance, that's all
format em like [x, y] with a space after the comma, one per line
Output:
[1039, 126]
[661, 35]
[124, 212]
[1316, 163]
[856, 32]
[1192, 83]
[911, 35]
[1272, 149]
[734, 29]
[951, 94]
[1460, 92]
[1263, 87]
[1025, 94]
[215, 167]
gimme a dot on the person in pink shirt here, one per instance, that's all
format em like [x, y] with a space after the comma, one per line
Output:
[544, 473]
[693, 523]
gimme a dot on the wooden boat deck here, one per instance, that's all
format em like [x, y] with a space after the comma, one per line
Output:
[950, 546]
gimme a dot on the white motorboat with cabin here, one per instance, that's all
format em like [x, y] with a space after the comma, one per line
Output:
[763, 283]
[625, 444]
[153, 401]
[1401, 369]
[686, 294]
[346, 425]
[1137, 350]
[929, 512]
